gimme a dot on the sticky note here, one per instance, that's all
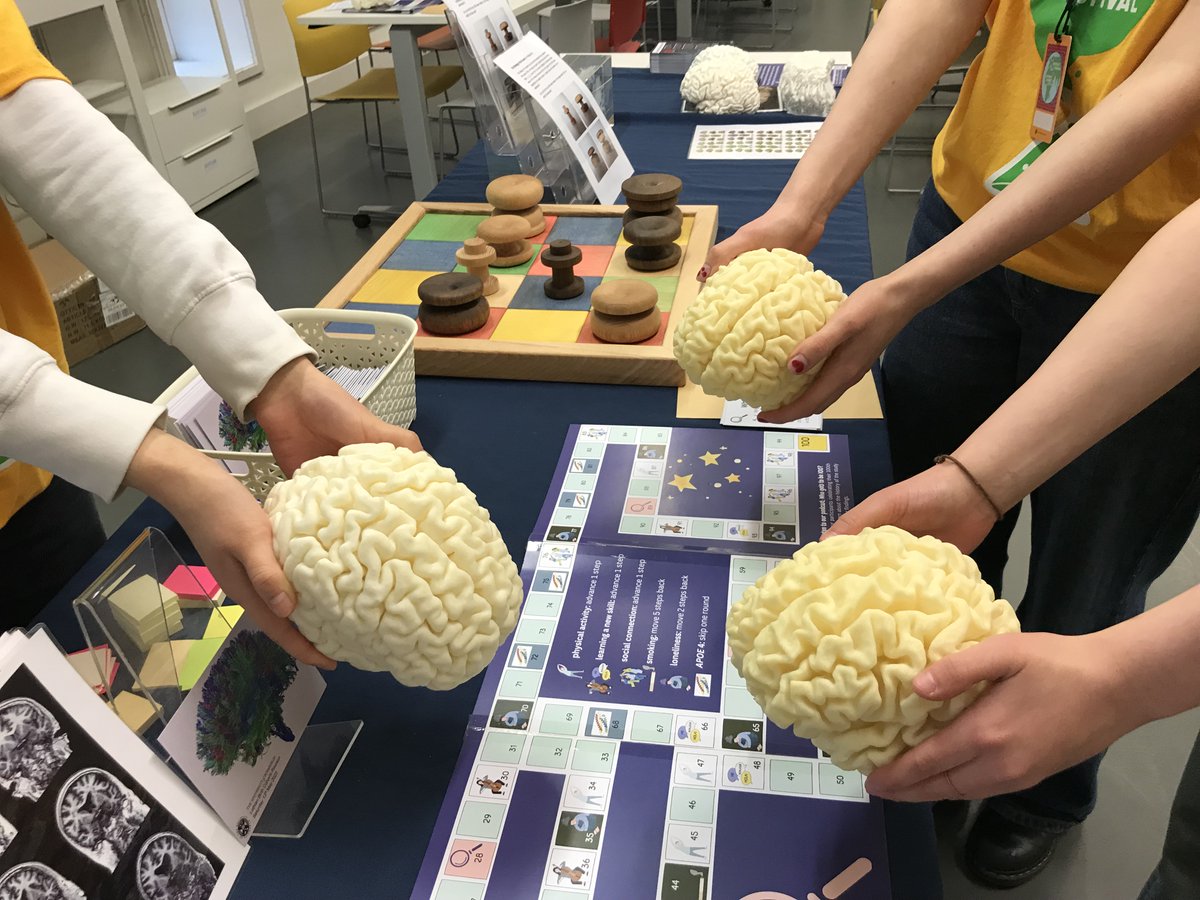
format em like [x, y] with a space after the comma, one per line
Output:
[192, 582]
[198, 658]
[222, 620]
[136, 712]
[163, 662]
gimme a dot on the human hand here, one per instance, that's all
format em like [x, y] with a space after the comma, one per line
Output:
[1053, 702]
[940, 501]
[229, 530]
[306, 415]
[798, 231]
[847, 346]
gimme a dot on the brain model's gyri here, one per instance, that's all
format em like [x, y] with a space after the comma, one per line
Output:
[722, 80]
[829, 641]
[395, 565]
[735, 338]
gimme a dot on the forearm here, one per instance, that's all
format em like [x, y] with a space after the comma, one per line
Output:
[887, 81]
[1131, 128]
[1140, 339]
[85, 183]
[1156, 656]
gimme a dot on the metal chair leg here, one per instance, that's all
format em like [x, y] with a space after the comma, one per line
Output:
[312, 128]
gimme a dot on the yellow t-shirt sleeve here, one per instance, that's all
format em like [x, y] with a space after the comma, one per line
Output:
[20, 60]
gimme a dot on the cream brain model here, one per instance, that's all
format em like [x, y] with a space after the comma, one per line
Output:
[722, 80]
[829, 641]
[735, 338]
[395, 564]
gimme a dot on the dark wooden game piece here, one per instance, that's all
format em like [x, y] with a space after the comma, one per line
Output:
[653, 207]
[561, 257]
[506, 234]
[652, 243]
[652, 259]
[475, 256]
[518, 195]
[651, 187]
[452, 303]
[675, 213]
[625, 329]
[624, 297]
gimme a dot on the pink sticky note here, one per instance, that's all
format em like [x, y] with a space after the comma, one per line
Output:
[184, 584]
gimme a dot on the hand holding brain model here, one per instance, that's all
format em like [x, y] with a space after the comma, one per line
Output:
[395, 564]
[735, 338]
[830, 640]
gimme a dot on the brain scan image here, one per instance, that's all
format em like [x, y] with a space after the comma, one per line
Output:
[33, 747]
[169, 868]
[35, 881]
[99, 816]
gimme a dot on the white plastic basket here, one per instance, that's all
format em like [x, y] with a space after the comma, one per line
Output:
[393, 397]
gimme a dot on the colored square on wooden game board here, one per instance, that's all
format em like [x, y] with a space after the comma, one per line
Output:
[596, 230]
[508, 287]
[445, 227]
[363, 327]
[391, 286]
[586, 336]
[424, 256]
[618, 268]
[495, 314]
[545, 233]
[685, 233]
[549, 326]
[532, 295]
[595, 261]
[522, 269]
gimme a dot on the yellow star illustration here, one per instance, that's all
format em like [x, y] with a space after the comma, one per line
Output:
[683, 483]
[733, 479]
[710, 458]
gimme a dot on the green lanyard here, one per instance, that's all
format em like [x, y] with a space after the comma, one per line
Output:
[1064, 21]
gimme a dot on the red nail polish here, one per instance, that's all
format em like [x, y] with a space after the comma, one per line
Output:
[798, 366]
[702, 275]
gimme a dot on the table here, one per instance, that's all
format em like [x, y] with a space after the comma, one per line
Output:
[403, 29]
[503, 439]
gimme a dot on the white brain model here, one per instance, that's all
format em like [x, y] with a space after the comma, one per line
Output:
[829, 641]
[735, 338]
[722, 80]
[805, 88]
[395, 564]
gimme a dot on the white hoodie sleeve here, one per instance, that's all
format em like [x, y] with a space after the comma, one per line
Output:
[88, 186]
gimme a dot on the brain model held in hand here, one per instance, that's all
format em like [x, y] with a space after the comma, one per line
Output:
[395, 564]
[829, 641]
[722, 80]
[735, 338]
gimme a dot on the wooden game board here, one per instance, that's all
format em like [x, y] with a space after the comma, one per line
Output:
[529, 336]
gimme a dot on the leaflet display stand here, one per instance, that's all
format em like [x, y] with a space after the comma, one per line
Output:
[152, 611]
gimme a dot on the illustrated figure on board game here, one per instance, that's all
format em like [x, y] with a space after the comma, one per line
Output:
[495, 785]
[777, 494]
[575, 874]
[671, 527]
[632, 677]
[746, 740]
[570, 673]
[679, 683]
[491, 41]
[584, 823]
[595, 687]
[514, 718]
[585, 109]
[506, 33]
[602, 672]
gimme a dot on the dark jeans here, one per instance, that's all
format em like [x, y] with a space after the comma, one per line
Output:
[42, 547]
[1177, 876]
[1104, 527]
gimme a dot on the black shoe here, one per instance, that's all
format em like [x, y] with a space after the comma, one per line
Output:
[1003, 854]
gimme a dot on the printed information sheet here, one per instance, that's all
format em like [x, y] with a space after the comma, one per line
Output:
[614, 751]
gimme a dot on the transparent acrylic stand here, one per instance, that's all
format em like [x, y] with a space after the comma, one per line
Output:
[149, 629]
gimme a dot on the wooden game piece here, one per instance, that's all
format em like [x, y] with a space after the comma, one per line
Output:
[651, 188]
[476, 256]
[652, 243]
[653, 207]
[624, 297]
[512, 192]
[674, 213]
[506, 234]
[533, 215]
[452, 303]
[625, 329]
[561, 257]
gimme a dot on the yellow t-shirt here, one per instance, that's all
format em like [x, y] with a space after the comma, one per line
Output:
[986, 142]
[25, 306]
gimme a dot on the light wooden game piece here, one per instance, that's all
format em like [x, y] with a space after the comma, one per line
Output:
[652, 243]
[533, 215]
[625, 329]
[518, 195]
[506, 234]
[476, 256]
[624, 297]
[452, 303]
[561, 257]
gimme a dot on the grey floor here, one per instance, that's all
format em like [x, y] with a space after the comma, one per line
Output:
[298, 256]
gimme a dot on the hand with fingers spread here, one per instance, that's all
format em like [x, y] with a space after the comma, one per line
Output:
[1053, 702]
[847, 346]
[774, 228]
[229, 530]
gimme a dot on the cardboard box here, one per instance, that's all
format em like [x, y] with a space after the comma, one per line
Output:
[77, 301]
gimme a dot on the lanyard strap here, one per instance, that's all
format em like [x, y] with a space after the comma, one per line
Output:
[1064, 21]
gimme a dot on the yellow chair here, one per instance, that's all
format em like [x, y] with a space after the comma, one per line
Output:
[321, 50]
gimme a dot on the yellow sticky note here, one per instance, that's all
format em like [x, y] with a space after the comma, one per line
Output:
[136, 712]
[222, 620]
[198, 658]
[163, 662]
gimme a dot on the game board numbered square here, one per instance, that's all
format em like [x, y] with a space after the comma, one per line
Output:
[549, 752]
[791, 776]
[696, 769]
[579, 829]
[641, 506]
[779, 476]
[549, 580]
[781, 495]
[740, 703]
[812, 443]
[644, 487]
[695, 731]
[775, 459]
[671, 525]
[744, 772]
[606, 722]
[559, 718]
[779, 440]
[589, 449]
[833, 782]
[470, 858]
[511, 714]
[493, 782]
[774, 513]
[528, 656]
[479, 819]
[689, 843]
[681, 880]
[780, 534]
[594, 432]
[565, 533]
[570, 867]
[520, 684]
[650, 727]
[579, 482]
[542, 604]
[742, 734]
[743, 531]
[623, 434]
[534, 631]
[575, 499]
[693, 805]
[707, 528]
[586, 792]
[556, 556]
[594, 756]
[647, 468]
[459, 890]
[583, 466]
[747, 569]
[636, 525]
[652, 451]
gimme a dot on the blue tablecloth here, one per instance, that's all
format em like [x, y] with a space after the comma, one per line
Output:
[503, 439]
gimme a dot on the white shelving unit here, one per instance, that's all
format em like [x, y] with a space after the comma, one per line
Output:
[161, 70]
